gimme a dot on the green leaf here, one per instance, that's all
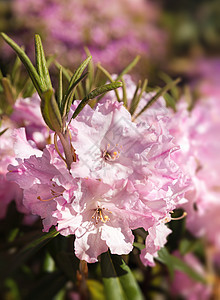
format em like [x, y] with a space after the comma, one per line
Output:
[170, 101]
[26, 61]
[98, 91]
[8, 91]
[96, 289]
[47, 286]
[119, 282]
[159, 94]
[60, 88]
[187, 246]
[15, 74]
[139, 245]
[129, 67]
[66, 72]
[137, 97]
[108, 75]
[174, 263]
[90, 78]
[74, 81]
[50, 111]
[174, 90]
[8, 266]
[125, 99]
[68, 101]
[41, 64]
[3, 131]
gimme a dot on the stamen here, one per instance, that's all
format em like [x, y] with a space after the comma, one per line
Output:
[53, 193]
[179, 218]
[100, 216]
[168, 219]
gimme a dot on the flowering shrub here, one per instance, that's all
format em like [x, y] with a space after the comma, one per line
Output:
[106, 174]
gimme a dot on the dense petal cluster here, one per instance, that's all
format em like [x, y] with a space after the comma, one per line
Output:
[123, 178]
[26, 112]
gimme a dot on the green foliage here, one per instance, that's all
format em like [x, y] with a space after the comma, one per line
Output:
[119, 282]
[174, 263]
[95, 93]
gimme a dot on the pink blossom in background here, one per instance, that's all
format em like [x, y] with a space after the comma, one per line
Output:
[184, 286]
[114, 31]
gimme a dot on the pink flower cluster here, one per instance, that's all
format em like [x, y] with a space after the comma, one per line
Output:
[26, 112]
[115, 31]
[124, 177]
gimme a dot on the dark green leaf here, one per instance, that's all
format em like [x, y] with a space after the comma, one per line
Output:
[174, 263]
[68, 101]
[160, 93]
[16, 260]
[108, 75]
[47, 287]
[74, 81]
[26, 61]
[125, 99]
[137, 97]
[174, 90]
[90, 78]
[98, 91]
[118, 279]
[139, 246]
[8, 91]
[129, 67]
[170, 101]
[60, 88]
[15, 74]
[50, 111]
[96, 289]
[3, 131]
[41, 64]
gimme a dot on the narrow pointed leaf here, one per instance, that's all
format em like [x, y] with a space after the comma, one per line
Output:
[174, 263]
[125, 99]
[90, 78]
[15, 74]
[68, 101]
[60, 87]
[9, 266]
[66, 72]
[79, 71]
[47, 286]
[8, 91]
[41, 64]
[50, 111]
[95, 93]
[108, 75]
[26, 61]
[159, 94]
[129, 67]
[119, 282]
[3, 131]
[134, 101]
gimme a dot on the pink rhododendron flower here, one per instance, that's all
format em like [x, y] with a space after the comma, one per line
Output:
[123, 178]
[26, 112]
[156, 240]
